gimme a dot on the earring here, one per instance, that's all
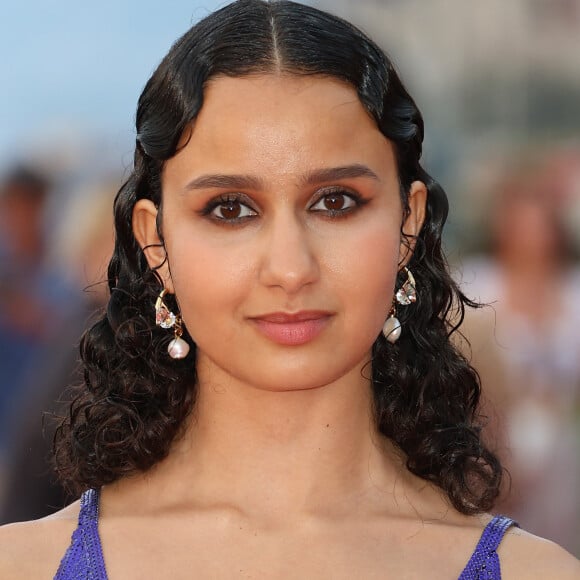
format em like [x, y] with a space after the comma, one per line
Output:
[392, 326]
[408, 291]
[406, 295]
[164, 318]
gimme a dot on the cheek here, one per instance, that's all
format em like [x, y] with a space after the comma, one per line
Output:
[209, 281]
[368, 259]
[364, 273]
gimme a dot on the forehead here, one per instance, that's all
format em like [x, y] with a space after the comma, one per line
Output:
[280, 124]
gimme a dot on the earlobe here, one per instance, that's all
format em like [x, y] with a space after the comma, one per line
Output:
[414, 221]
[145, 232]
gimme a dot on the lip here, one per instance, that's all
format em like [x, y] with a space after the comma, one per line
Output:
[292, 329]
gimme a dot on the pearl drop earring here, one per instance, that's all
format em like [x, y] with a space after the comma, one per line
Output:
[164, 318]
[392, 326]
[406, 295]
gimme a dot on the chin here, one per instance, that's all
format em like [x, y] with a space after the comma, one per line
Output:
[302, 378]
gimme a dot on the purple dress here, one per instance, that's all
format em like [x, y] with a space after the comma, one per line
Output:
[84, 558]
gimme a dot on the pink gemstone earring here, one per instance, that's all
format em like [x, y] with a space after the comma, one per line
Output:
[164, 318]
[406, 295]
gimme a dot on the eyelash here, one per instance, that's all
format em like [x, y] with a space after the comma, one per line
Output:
[223, 200]
[340, 191]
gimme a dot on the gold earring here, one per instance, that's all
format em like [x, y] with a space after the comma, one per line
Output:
[164, 318]
[406, 295]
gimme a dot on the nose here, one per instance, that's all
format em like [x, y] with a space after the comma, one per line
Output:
[289, 255]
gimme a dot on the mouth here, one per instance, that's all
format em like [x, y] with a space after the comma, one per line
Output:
[292, 329]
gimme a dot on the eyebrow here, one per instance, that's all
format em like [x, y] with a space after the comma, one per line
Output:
[225, 181]
[337, 173]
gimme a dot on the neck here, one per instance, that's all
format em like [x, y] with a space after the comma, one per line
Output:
[281, 452]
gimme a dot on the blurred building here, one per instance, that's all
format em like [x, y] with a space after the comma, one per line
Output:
[491, 78]
[495, 65]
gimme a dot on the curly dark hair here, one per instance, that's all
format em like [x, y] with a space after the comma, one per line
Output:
[135, 399]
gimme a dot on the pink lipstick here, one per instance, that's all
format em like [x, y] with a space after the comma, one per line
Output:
[292, 329]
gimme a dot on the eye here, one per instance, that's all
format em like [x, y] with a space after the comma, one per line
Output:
[336, 202]
[230, 210]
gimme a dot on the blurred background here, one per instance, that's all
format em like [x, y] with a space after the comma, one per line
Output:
[499, 86]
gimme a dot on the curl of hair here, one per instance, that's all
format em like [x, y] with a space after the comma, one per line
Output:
[135, 399]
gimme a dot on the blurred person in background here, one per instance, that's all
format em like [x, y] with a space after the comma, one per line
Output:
[82, 244]
[23, 194]
[526, 347]
[33, 297]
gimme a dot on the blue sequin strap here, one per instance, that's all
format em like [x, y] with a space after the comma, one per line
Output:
[84, 557]
[484, 562]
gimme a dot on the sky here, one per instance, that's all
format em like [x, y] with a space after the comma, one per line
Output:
[69, 67]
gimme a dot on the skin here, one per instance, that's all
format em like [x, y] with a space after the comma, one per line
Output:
[280, 473]
[531, 251]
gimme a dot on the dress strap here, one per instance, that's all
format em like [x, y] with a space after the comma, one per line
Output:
[84, 556]
[484, 562]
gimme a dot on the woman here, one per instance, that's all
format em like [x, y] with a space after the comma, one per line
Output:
[527, 348]
[261, 429]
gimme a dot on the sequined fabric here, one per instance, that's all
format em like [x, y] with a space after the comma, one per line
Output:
[84, 558]
[484, 562]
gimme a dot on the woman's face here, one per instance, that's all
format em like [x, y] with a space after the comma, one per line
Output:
[526, 227]
[282, 220]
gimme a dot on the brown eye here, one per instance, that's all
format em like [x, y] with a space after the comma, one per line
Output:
[335, 203]
[231, 210]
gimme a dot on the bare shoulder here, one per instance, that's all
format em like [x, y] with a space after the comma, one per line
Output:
[524, 555]
[34, 549]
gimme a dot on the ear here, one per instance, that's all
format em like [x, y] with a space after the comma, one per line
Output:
[414, 221]
[145, 232]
